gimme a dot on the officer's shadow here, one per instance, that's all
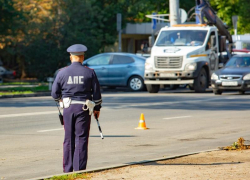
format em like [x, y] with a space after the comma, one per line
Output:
[112, 136]
[188, 164]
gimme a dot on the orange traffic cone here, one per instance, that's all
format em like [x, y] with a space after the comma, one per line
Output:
[142, 124]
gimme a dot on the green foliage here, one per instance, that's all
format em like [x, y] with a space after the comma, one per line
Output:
[146, 7]
[227, 9]
[8, 14]
[39, 32]
[34, 35]
[244, 17]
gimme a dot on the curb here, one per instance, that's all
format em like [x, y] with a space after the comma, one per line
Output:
[124, 165]
[26, 95]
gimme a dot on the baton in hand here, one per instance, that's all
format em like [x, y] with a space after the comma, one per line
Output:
[99, 127]
[60, 115]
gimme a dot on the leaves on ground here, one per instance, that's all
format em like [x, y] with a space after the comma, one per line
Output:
[239, 145]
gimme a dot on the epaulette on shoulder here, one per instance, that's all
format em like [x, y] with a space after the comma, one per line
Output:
[88, 67]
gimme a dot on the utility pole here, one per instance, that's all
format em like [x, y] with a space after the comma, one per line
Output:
[174, 16]
[235, 19]
[153, 30]
[119, 29]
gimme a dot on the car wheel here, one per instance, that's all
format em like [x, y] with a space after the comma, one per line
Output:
[152, 88]
[200, 82]
[242, 92]
[217, 91]
[135, 83]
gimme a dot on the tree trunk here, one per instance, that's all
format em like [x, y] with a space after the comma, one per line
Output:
[21, 64]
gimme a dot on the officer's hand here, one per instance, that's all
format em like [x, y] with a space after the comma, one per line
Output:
[96, 114]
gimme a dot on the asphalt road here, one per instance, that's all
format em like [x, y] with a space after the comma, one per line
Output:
[179, 122]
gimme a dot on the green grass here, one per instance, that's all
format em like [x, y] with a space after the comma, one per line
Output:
[74, 176]
[16, 93]
[23, 90]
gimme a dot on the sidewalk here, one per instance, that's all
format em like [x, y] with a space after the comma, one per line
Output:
[228, 165]
[205, 165]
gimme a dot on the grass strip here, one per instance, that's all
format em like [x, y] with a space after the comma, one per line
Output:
[16, 93]
[23, 90]
[34, 89]
[74, 176]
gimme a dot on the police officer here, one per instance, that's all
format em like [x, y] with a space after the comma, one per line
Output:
[73, 86]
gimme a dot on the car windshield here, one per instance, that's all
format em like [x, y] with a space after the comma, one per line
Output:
[238, 62]
[181, 38]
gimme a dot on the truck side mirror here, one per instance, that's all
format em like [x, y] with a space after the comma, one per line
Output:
[213, 41]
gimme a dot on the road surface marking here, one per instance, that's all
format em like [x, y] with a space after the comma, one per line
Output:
[178, 117]
[27, 114]
[50, 130]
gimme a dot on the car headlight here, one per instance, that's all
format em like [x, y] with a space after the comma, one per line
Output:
[191, 66]
[148, 66]
[246, 77]
[214, 77]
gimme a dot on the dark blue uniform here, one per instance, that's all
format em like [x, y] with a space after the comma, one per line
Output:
[79, 83]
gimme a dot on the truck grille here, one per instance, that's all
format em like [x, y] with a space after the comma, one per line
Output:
[168, 62]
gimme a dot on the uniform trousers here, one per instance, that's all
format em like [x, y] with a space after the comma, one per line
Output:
[75, 146]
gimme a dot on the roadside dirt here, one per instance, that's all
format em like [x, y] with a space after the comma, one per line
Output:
[215, 165]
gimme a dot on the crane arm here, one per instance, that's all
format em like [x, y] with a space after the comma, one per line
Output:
[204, 9]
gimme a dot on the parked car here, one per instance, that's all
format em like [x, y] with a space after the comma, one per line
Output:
[6, 73]
[118, 69]
[235, 75]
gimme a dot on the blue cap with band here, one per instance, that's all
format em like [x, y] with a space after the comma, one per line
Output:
[77, 49]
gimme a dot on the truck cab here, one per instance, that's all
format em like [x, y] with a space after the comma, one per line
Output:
[183, 54]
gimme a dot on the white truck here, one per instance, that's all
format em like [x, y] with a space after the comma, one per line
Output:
[188, 53]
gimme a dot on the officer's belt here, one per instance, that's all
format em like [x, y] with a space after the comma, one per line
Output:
[89, 105]
[77, 102]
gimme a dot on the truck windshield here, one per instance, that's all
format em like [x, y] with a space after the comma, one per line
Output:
[181, 38]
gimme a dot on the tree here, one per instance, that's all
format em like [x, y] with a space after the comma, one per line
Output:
[34, 34]
[227, 9]
[244, 17]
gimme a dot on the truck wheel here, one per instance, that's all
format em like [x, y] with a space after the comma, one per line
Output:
[217, 91]
[152, 88]
[135, 83]
[200, 82]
